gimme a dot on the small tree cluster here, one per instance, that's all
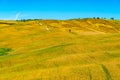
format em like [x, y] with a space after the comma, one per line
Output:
[25, 20]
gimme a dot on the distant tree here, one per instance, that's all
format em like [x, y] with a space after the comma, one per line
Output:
[86, 18]
[36, 19]
[75, 19]
[98, 18]
[104, 18]
[94, 17]
[112, 18]
[23, 20]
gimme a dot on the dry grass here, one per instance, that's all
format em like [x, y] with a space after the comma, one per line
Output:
[82, 54]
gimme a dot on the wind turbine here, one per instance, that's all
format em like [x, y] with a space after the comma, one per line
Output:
[17, 16]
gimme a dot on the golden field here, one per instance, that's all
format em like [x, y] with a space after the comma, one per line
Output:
[85, 49]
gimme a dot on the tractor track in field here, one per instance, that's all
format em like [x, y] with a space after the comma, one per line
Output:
[106, 71]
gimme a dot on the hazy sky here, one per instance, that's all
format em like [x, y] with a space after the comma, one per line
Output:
[58, 9]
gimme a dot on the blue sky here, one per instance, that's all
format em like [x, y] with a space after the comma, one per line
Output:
[58, 9]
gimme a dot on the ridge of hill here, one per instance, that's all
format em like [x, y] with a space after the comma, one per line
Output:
[95, 25]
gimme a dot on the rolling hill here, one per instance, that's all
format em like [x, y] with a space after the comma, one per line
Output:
[78, 49]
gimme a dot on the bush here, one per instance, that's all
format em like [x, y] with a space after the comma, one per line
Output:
[4, 51]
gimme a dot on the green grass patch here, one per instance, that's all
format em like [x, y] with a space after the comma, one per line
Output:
[4, 51]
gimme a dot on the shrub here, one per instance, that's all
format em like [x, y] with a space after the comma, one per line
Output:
[4, 51]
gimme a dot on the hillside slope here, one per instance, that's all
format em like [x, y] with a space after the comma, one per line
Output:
[87, 49]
